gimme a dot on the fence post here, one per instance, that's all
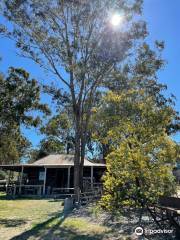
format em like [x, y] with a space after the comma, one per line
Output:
[44, 185]
[21, 178]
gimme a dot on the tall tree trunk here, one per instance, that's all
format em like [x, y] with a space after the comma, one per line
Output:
[77, 160]
[83, 144]
[84, 128]
[80, 144]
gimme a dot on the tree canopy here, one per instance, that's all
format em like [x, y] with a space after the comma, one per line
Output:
[75, 41]
[59, 129]
[142, 156]
[132, 126]
[19, 97]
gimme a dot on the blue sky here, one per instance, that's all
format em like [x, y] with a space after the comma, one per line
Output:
[163, 20]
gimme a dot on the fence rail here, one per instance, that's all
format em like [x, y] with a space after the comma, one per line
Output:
[24, 190]
[30, 190]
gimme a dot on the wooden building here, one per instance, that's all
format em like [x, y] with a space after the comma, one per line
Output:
[52, 175]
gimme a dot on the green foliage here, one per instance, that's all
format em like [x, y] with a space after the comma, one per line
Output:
[19, 98]
[13, 146]
[35, 154]
[47, 146]
[128, 87]
[51, 145]
[59, 132]
[59, 138]
[57, 125]
[18, 95]
[139, 167]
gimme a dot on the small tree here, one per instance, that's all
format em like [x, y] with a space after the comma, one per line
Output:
[139, 167]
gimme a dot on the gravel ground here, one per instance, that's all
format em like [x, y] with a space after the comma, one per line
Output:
[124, 225]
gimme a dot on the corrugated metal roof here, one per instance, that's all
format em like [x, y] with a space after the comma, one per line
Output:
[54, 160]
[63, 160]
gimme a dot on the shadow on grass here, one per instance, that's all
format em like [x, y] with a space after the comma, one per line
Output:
[52, 229]
[12, 222]
[64, 233]
[36, 230]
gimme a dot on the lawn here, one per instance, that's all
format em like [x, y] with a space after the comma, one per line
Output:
[43, 219]
[34, 219]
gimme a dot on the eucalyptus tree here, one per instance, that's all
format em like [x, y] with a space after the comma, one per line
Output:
[79, 42]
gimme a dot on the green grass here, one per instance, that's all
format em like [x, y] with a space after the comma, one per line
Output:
[35, 219]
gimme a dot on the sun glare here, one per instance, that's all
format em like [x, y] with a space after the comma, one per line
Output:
[116, 19]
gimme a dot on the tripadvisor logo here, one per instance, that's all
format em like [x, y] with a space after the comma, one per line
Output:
[139, 231]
